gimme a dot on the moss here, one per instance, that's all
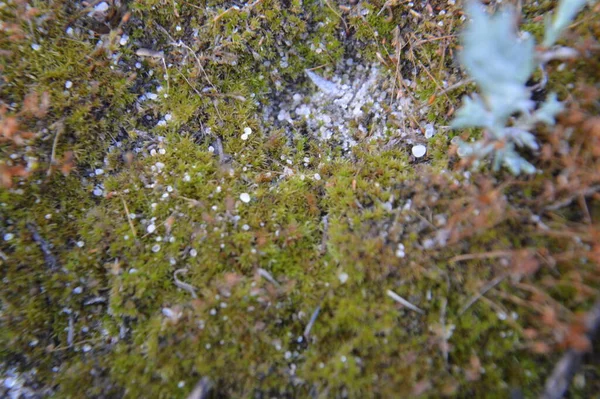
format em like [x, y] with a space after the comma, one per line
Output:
[111, 318]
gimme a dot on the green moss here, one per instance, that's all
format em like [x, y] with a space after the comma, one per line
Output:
[259, 269]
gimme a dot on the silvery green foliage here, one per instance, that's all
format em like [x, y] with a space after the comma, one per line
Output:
[565, 13]
[500, 61]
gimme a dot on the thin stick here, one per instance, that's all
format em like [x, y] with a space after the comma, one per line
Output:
[557, 384]
[188, 48]
[434, 81]
[224, 95]
[481, 293]
[561, 204]
[404, 302]
[434, 39]
[167, 75]
[311, 322]
[62, 348]
[201, 390]
[536, 291]
[463, 82]
[485, 255]
[218, 17]
[70, 332]
[175, 9]
[128, 218]
[265, 274]
[444, 338]
[49, 257]
[190, 84]
[60, 127]
[325, 236]
[338, 15]
[144, 52]
[180, 43]
[183, 285]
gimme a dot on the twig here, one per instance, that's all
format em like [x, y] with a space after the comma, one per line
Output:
[49, 258]
[192, 202]
[128, 218]
[444, 337]
[60, 127]
[404, 302]
[541, 294]
[338, 15]
[265, 274]
[179, 43]
[62, 348]
[388, 4]
[188, 48]
[586, 211]
[560, 53]
[70, 332]
[481, 293]
[311, 322]
[144, 52]
[417, 214]
[94, 301]
[220, 151]
[519, 302]
[183, 285]
[484, 255]
[224, 95]
[567, 201]
[433, 39]
[175, 9]
[218, 17]
[201, 390]
[325, 236]
[167, 75]
[557, 384]
[433, 79]
[455, 86]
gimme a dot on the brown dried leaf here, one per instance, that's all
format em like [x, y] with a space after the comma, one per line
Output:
[67, 163]
[9, 127]
[7, 173]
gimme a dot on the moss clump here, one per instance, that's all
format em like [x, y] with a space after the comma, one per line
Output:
[134, 264]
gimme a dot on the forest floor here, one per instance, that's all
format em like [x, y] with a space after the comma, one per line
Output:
[182, 205]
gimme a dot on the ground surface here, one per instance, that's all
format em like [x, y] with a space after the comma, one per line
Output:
[180, 202]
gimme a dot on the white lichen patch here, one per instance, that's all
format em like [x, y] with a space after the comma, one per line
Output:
[354, 104]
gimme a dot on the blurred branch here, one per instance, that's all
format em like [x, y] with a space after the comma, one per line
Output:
[558, 382]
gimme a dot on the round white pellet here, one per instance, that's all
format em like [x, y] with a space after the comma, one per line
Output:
[419, 150]
[245, 197]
